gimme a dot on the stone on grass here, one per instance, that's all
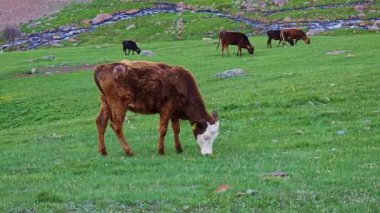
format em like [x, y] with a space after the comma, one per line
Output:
[315, 31]
[147, 53]
[280, 2]
[100, 18]
[222, 188]
[341, 132]
[337, 52]
[230, 73]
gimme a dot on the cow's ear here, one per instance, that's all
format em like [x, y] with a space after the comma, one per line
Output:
[214, 114]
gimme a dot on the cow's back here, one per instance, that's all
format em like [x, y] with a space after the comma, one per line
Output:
[145, 86]
[274, 34]
[294, 33]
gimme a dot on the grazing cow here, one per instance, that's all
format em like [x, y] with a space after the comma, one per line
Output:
[130, 45]
[234, 38]
[275, 35]
[150, 88]
[296, 34]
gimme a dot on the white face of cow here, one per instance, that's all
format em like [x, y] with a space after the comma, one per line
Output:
[206, 139]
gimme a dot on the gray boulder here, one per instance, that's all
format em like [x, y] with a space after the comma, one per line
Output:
[230, 73]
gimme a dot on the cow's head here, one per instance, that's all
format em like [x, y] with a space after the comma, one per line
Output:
[206, 133]
[138, 51]
[250, 49]
[307, 40]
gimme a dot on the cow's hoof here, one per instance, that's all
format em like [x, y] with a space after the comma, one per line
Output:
[129, 153]
[103, 152]
[179, 149]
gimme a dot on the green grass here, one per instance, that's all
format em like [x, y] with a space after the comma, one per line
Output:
[284, 115]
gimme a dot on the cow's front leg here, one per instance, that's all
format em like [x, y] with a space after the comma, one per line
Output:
[164, 121]
[176, 128]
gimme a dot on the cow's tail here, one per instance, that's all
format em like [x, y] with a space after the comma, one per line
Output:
[282, 36]
[97, 75]
[218, 43]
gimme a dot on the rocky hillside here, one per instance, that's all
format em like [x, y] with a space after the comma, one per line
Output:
[14, 12]
[100, 21]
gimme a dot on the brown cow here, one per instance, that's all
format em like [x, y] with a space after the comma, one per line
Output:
[150, 88]
[276, 35]
[234, 38]
[296, 34]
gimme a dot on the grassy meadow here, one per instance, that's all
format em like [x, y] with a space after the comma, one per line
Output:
[298, 110]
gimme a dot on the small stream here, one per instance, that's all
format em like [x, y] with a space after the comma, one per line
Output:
[52, 37]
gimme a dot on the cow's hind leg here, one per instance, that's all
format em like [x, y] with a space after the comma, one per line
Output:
[269, 43]
[101, 122]
[176, 129]
[117, 119]
[164, 121]
[279, 43]
[228, 51]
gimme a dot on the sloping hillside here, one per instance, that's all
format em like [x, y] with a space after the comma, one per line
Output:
[16, 12]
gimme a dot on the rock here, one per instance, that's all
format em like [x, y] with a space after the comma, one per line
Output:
[131, 26]
[131, 12]
[359, 8]
[280, 2]
[222, 188]
[66, 28]
[230, 73]
[116, 17]
[100, 18]
[86, 21]
[277, 174]
[361, 15]
[341, 132]
[287, 19]
[337, 52]
[373, 28]
[262, 4]
[315, 31]
[247, 192]
[48, 57]
[147, 53]
[57, 45]
[181, 6]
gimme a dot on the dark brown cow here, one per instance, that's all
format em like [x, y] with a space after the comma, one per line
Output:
[234, 38]
[276, 35]
[150, 88]
[295, 34]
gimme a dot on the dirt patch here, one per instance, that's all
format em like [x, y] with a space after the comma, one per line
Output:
[15, 12]
[38, 71]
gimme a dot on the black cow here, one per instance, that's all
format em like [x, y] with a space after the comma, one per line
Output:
[130, 45]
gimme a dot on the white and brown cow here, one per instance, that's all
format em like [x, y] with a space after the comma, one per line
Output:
[295, 34]
[150, 88]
